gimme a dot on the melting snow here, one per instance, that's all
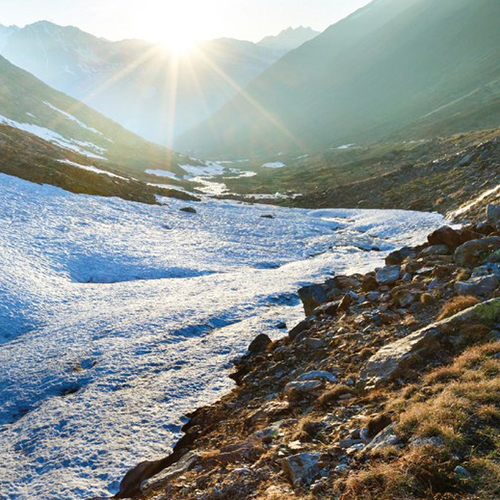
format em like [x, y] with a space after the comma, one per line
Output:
[73, 119]
[118, 318]
[162, 173]
[210, 168]
[91, 168]
[55, 138]
[276, 164]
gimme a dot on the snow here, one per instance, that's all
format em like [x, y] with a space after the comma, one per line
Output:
[55, 138]
[276, 164]
[72, 118]
[162, 173]
[209, 168]
[346, 146]
[91, 168]
[118, 318]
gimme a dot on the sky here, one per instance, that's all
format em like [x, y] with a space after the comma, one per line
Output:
[180, 22]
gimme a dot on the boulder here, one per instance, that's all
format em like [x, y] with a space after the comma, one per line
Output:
[318, 375]
[189, 210]
[388, 275]
[398, 256]
[445, 236]
[300, 389]
[473, 252]
[301, 469]
[435, 250]
[312, 296]
[390, 361]
[481, 286]
[259, 344]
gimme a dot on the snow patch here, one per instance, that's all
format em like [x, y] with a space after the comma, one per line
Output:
[91, 168]
[276, 164]
[55, 138]
[162, 173]
[73, 119]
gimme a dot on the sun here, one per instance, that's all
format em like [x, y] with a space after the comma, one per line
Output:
[179, 44]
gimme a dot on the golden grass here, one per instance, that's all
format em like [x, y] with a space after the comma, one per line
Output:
[456, 305]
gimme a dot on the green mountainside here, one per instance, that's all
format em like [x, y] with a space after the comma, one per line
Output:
[399, 69]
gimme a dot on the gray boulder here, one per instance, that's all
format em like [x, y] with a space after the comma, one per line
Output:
[301, 469]
[390, 361]
[473, 252]
[388, 275]
[312, 296]
[480, 286]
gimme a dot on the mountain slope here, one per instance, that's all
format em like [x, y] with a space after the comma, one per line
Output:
[46, 136]
[405, 68]
[289, 39]
[137, 83]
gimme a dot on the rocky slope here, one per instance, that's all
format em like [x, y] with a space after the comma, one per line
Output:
[388, 389]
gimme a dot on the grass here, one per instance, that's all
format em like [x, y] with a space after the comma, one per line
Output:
[456, 305]
[450, 419]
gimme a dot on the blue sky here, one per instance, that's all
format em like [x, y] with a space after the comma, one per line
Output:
[187, 20]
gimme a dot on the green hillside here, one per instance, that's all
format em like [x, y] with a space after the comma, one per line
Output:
[396, 69]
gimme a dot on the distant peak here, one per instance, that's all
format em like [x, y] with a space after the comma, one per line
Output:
[290, 38]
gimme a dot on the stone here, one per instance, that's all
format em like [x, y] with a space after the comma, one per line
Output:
[462, 472]
[301, 327]
[301, 389]
[312, 296]
[466, 160]
[391, 360]
[189, 210]
[373, 296]
[445, 236]
[435, 250]
[388, 275]
[259, 344]
[318, 375]
[347, 282]
[302, 469]
[314, 343]
[348, 443]
[267, 216]
[186, 463]
[473, 252]
[481, 286]
[369, 283]
[493, 214]
[397, 257]
[383, 439]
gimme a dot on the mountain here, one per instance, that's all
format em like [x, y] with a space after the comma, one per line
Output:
[288, 39]
[395, 69]
[48, 137]
[137, 83]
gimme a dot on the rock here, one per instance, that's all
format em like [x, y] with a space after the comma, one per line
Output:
[298, 389]
[466, 160]
[435, 250]
[373, 296]
[405, 297]
[259, 344]
[389, 362]
[186, 463]
[312, 296]
[445, 236]
[473, 252]
[481, 286]
[267, 216]
[493, 213]
[369, 283]
[314, 343]
[301, 469]
[462, 472]
[328, 309]
[248, 451]
[347, 282]
[189, 210]
[302, 327]
[383, 439]
[348, 443]
[388, 275]
[397, 257]
[318, 375]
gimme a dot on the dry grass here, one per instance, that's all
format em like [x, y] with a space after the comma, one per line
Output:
[456, 305]
[332, 396]
[451, 418]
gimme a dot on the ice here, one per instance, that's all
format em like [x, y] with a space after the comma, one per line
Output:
[118, 318]
[55, 138]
